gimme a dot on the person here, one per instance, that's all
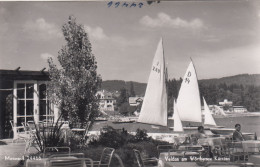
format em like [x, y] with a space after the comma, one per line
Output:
[200, 133]
[237, 135]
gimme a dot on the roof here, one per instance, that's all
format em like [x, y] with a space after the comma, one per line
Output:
[106, 94]
[24, 75]
[135, 99]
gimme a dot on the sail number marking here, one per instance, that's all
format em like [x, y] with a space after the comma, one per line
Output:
[187, 79]
[156, 69]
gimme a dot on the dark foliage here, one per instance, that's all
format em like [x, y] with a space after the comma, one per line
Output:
[50, 136]
[124, 143]
[126, 109]
[2, 143]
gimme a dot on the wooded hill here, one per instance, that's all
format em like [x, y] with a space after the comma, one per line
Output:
[139, 88]
[243, 90]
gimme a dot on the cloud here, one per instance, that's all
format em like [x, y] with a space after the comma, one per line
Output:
[42, 29]
[227, 62]
[45, 56]
[164, 20]
[96, 33]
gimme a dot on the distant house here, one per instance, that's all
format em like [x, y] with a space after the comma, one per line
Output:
[106, 100]
[239, 109]
[235, 109]
[226, 103]
[135, 101]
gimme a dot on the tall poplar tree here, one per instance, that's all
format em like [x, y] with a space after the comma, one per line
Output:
[74, 84]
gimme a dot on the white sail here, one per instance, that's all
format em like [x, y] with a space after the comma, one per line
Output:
[188, 101]
[154, 108]
[220, 110]
[208, 119]
[177, 122]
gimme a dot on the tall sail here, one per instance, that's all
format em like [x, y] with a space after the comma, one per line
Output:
[188, 101]
[154, 108]
[220, 110]
[177, 122]
[208, 119]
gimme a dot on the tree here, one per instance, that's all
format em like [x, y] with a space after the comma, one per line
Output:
[132, 90]
[123, 97]
[126, 109]
[74, 85]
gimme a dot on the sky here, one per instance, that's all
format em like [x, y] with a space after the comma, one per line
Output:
[221, 37]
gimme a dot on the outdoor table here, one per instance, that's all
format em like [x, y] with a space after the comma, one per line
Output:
[171, 159]
[212, 141]
[190, 147]
[251, 146]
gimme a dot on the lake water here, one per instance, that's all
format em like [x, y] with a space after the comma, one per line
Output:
[250, 124]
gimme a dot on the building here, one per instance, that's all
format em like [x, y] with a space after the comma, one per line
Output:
[226, 103]
[23, 98]
[239, 109]
[230, 108]
[106, 100]
[135, 101]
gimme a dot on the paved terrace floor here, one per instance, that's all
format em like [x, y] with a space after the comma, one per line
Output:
[11, 153]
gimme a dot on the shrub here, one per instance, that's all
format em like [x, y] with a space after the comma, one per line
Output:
[124, 143]
[112, 138]
[141, 135]
[50, 136]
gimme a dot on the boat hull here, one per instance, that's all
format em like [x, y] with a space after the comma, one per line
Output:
[222, 131]
[122, 122]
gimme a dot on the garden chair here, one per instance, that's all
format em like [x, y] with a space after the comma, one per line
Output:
[105, 159]
[20, 131]
[237, 152]
[144, 162]
[30, 139]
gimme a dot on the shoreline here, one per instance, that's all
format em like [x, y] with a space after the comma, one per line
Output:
[248, 114]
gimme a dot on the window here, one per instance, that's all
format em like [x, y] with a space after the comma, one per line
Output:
[45, 109]
[31, 97]
[25, 102]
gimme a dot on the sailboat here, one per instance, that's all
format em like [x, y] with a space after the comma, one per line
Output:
[154, 107]
[220, 110]
[210, 122]
[188, 101]
[177, 121]
[208, 119]
[189, 105]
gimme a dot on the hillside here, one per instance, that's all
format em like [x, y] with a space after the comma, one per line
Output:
[242, 79]
[116, 85]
